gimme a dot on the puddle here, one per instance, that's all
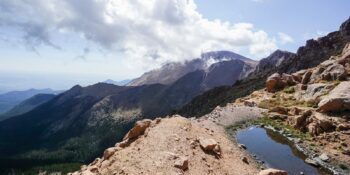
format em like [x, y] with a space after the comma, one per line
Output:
[276, 151]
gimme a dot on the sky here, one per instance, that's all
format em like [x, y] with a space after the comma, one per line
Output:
[59, 43]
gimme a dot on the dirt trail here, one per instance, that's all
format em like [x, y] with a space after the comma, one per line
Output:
[166, 147]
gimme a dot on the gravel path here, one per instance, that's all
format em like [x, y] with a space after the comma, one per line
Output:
[233, 113]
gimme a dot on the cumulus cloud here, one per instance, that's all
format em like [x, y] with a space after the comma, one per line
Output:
[284, 38]
[153, 31]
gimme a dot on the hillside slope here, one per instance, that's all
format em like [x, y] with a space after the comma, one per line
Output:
[27, 105]
[11, 99]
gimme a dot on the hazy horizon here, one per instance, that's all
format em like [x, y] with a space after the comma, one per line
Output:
[74, 43]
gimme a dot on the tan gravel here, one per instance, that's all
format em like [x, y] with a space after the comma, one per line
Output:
[166, 148]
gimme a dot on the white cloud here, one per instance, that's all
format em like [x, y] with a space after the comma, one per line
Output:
[285, 38]
[147, 32]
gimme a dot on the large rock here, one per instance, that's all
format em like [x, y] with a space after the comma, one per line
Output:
[138, 129]
[306, 77]
[277, 82]
[300, 122]
[271, 171]
[337, 100]
[272, 82]
[314, 91]
[334, 72]
[314, 129]
[325, 124]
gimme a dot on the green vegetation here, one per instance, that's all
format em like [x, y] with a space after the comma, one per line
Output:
[280, 99]
[343, 166]
[276, 124]
[289, 90]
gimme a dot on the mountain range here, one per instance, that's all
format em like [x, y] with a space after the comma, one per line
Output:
[11, 99]
[78, 124]
[27, 105]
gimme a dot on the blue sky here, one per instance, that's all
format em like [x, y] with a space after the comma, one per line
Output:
[301, 19]
[59, 43]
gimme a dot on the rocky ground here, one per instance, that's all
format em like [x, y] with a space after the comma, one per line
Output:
[174, 145]
[315, 101]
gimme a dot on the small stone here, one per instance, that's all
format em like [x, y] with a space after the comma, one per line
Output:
[181, 163]
[312, 162]
[324, 157]
[271, 171]
[242, 146]
[245, 160]
[108, 153]
[346, 151]
[208, 144]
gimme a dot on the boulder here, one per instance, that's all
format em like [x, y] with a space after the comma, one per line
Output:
[316, 74]
[306, 77]
[271, 171]
[315, 91]
[273, 83]
[314, 129]
[288, 79]
[300, 121]
[325, 124]
[138, 129]
[337, 100]
[334, 72]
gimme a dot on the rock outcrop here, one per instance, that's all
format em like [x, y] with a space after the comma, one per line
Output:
[138, 129]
